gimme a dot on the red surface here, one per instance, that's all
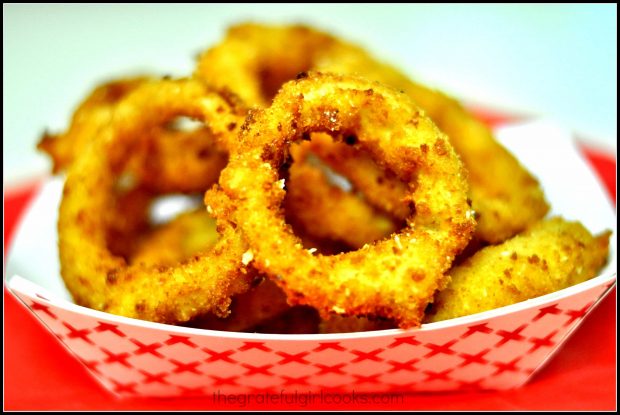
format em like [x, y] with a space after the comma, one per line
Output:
[39, 374]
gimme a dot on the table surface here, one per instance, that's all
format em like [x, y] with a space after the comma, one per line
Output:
[40, 374]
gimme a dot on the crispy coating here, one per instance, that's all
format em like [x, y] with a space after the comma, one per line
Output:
[184, 236]
[394, 278]
[319, 209]
[170, 158]
[98, 279]
[254, 60]
[190, 234]
[130, 219]
[165, 158]
[178, 160]
[551, 255]
[504, 195]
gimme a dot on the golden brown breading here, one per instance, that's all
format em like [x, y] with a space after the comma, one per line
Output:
[551, 255]
[504, 195]
[165, 158]
[253, 60]
[393, 278]
[101, 280]
[184, 236]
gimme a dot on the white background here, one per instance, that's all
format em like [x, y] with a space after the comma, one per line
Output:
[553, 61]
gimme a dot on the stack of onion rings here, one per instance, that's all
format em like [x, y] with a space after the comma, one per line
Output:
[285, 231]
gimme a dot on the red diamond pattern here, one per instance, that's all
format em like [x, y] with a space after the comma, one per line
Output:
[542, 341]
[506, 367]
[124, 388]
[154, 377]
[576, 314]
[330, 369]
[253, 370]
[328, 346]
[221, 381]
[468, 359]
[254, 345]
[120, 358]
[411, 340]
[91, 364]
[442, 375]
[477, 328]
[291, 381]
[435, 359]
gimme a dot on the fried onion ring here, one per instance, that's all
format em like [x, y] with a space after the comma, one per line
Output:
[394, 278]
[551, 255]
[98, 279]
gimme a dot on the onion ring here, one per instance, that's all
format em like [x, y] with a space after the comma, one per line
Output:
[100, 280]
[551, 255]
[394, 278]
